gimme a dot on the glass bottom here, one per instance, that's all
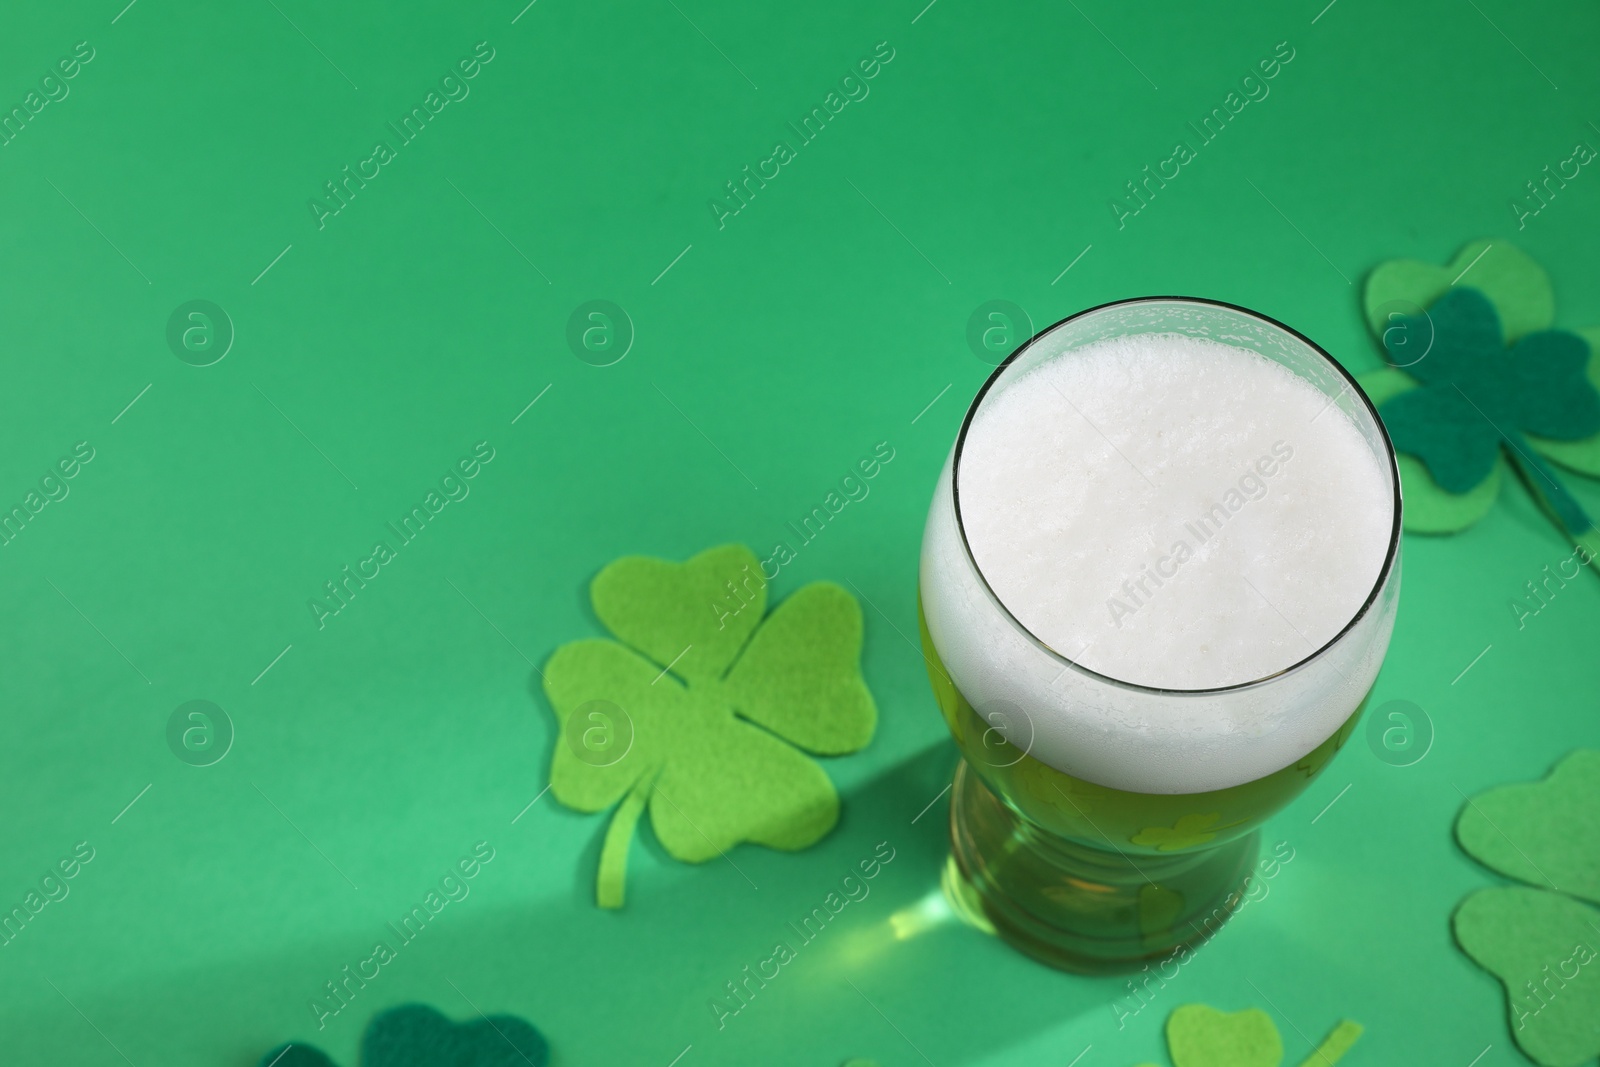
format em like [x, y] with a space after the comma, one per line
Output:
[1085, 909]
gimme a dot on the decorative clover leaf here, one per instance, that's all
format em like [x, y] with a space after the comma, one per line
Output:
[1477, 399]
[714, 702]
[1430, 509]
[1202, 1036]
[1188, 831]
[1545, 833]
[1542, 944]
[1512, 280]
[415, 1035]
[1519, 292]
[1071, 796]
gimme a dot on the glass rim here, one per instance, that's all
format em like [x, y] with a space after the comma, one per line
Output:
[1350, 383]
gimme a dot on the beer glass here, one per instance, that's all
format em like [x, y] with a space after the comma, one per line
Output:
[1066, 862]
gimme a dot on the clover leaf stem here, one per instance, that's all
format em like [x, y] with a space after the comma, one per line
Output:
[611, 881]
[1335, 1045]
[1544, 484]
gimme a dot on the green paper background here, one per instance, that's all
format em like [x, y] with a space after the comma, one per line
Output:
[791, 341]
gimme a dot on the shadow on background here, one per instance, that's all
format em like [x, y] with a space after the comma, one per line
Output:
[594, 981]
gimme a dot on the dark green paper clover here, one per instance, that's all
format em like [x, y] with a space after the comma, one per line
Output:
[713, 700]
[1479, 400]
[414, 1035]
[1542, 943]
[1466, 399]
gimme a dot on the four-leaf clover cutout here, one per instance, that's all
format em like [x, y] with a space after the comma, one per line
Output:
[1479, 382]
[713, 704]
[1542, 943]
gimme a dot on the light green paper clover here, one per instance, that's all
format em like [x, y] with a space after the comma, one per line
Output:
[713, 703]
[1543, 944]
[1201, 1036]
[1524, 300]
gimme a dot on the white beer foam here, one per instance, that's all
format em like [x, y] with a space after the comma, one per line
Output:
[1176, 513]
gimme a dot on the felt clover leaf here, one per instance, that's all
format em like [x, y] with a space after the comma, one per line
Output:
[1546, 833]
[1202, 1036]
[1477, 399]
[700, 709]
[1512, 280]
[415, 1035]
[1462, 407]
[1541, 943]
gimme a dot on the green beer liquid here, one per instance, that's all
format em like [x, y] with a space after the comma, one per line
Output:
[1091, 878]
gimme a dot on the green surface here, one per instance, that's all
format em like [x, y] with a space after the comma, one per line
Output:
[830, 314]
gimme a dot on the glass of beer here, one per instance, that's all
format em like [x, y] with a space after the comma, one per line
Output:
[1158, 580]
